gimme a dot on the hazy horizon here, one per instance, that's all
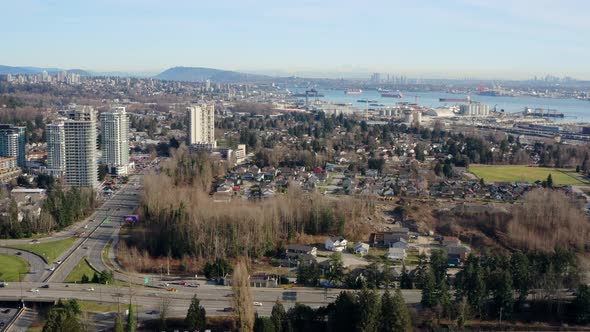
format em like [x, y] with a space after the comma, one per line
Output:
[424, 39]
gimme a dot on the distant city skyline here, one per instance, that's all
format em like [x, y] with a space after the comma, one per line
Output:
[426, 39]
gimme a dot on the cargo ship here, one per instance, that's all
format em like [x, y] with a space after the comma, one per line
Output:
[392, 95]
[353, 91]
[454, 100]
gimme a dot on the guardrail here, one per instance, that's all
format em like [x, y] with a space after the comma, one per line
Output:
[14, 319]
[72, 251]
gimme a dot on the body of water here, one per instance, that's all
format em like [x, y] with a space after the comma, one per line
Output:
[575, 110]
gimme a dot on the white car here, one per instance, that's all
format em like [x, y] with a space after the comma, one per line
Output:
[91, 289]
[52, 268]
[34, 290]
[257, 304]
[58, 262]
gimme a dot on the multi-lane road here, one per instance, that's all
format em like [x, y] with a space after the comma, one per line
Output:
[213, 298]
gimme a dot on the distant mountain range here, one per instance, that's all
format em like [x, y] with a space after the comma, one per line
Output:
[200, 74]
[5, 70]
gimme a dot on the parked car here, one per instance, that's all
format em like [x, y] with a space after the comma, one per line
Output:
[257, 304]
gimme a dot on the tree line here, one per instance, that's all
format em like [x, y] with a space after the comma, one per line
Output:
[61, 208]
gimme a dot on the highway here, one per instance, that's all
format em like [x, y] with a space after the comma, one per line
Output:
[214, 298]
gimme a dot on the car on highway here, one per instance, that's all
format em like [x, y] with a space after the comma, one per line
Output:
[44, 286]
[34, 290]
[257, 304]
[165, 284]
[153, 312]
[229, 309]
[18, 253]
[192, 285]
[173, 290]
[51, 268]
[90, 289]
[58, 262]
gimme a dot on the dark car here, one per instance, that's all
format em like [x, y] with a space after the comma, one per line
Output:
[44, 286]
[153, 312]
[5, 311]
[229, 309]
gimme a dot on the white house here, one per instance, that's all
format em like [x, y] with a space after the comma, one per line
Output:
[335, 243]
[361, 248]
[396, 254]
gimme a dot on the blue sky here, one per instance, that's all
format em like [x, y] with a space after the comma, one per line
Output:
[446, 38]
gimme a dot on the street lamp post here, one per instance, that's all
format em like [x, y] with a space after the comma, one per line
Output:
[20, 282]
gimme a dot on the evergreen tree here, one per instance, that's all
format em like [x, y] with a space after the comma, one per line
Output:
[429, 296]
[520, 269]
[550, 181]
[444, 298]
[438, 261]
[263, 324]
[406, 280]
[474, 284]
[402, 315]
[343, 316]
[581, 305]
[196, 315]
[503, 294]
[279, 317]
[387, 313]
[335, 273]
[368, 309]
[130, 326]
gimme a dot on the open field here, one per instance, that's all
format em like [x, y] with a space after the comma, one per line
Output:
[12, 266]
[511, 173]
[48, 250]
[82, 268]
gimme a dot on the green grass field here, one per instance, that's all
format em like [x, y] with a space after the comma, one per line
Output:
[11, 266]
[82, 268]
[510, 173]
[48, 250]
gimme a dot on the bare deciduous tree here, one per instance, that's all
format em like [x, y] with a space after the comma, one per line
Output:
[243, 296]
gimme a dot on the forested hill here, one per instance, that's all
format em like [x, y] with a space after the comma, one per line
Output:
[200, 74]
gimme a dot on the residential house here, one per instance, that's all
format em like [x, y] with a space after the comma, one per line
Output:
[401, 243]
[361, 248]
[296, 250]
[456, 254]
[335, 243]
[396, 254]
[449, 240]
